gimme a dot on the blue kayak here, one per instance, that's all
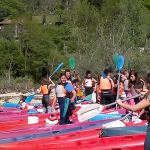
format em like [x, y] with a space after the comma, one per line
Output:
[106, 116]
[107, 132]
[15, 104]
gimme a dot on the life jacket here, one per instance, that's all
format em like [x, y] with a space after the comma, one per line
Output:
[45, 90]
[120, 89]
[26, 107]
[60, 90]
[78, 89]
[70, 81]
[114, 91]
[104, 84]
[88, 82]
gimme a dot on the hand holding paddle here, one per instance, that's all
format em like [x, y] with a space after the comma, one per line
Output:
[29, 98]
[94, 109]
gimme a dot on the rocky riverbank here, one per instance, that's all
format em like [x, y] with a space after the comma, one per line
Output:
[14, 97]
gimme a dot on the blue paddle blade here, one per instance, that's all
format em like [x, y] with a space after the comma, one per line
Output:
[29, 98]
[120, 62]
[103, 74]
[58, 67]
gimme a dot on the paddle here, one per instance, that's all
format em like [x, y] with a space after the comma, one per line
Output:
[72, 63]
[120, 65]
[116, 60]
[93, 110]
[29, 98]
[103, 74]
[128, 64]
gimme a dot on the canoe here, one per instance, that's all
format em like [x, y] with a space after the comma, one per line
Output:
[23, 122]
[57, 132]
[16, 104]
[123, 131]
[77, 140]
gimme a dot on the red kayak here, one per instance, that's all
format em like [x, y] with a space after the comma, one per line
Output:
[23, 123]
[86, 139]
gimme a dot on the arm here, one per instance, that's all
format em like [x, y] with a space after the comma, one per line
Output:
[83, 83]
[112, 82]
[78, 78]
[51, 85]
[141, 113]
[93, 80]
[39, 90]
[54, 101]
[74, 96]
[97, 92]
[142, 104]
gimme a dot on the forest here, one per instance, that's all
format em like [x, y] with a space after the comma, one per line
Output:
[44, 33]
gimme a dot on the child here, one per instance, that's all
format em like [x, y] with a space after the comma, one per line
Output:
[88, 83]
[145, 103]
[46, 89]
[104, 88]
[134, 78]
[62, 92]
[126, 81]
[22, 102]
[74, 82]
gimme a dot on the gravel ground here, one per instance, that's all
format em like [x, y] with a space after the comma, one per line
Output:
[14, 97]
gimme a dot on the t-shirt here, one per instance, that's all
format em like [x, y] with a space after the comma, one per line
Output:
[23, 105]
[126, 82]
[62, 90]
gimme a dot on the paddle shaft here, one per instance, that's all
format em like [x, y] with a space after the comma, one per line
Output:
[123, 100]
[118, 86]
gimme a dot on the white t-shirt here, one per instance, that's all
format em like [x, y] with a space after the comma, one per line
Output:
[23, 104]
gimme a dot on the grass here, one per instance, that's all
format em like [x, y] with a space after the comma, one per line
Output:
[50, 19]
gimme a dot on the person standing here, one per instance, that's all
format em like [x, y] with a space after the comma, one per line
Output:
[104, 88]
[45, 88]
[88, 83]
[65, 94]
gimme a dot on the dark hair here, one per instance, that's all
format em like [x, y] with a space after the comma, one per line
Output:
[62, 74]
[148, 78]
[138, 85]
[133, 72]
[128, 70]
[45, 81]
[88, 72]
[67, 70]
[23, 98]
[106, 71]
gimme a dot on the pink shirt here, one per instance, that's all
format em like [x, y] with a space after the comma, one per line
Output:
[130, 102]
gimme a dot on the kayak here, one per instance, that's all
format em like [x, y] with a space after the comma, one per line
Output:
[23, 122]
[20, 126]
[123, 131]
[56, 131]
[78, 140]
[15, 112]
[16, 104]
[42, 128]
[134, 142]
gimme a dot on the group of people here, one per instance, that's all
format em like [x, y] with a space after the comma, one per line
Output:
[104, 87]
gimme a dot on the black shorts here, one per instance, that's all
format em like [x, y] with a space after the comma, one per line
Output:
[88, 90]
[106, 97]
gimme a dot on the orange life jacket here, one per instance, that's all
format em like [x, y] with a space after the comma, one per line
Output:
[114, 90]
[104, 84]
[120, 89]
[26, 107]
[45, 90]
